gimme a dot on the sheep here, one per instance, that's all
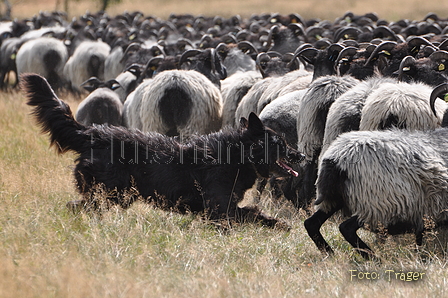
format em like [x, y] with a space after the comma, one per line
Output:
[8, 54]
[268, 89]
[345, 113]
[177, 102]
[128, 80]
[234, 59]
[87, 61]
[394, 180]
[132, 106]
[233, 89]
[314, 109]
[206, 62]
[249, 102]
[114, 65]
[45, 56]
[102, 105]
[400, 105]
[292, 81]
[311, 123]
[431, 70]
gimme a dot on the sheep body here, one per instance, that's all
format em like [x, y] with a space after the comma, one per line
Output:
[102, 106]
[314, 109]
[177, 102]
[233, 89]
[345, 113]
[45, 56]
[403, 105]
[87, 61]
[388, 177]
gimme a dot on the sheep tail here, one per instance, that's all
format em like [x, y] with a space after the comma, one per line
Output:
[53, 115]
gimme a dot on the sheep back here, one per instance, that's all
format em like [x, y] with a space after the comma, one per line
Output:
[402, 105]
[181, 102]
[102, 106]
[314, 109]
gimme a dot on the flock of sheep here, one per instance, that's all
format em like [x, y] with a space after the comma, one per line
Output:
[358, 96]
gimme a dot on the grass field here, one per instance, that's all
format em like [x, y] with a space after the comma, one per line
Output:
[46, 251]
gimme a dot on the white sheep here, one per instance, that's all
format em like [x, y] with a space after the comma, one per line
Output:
[233, 89]
[177, 102]
[87, 61]
[45, 56]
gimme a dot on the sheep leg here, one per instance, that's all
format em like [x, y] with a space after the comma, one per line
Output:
[419, 237]
[312, 226]
[348, 229]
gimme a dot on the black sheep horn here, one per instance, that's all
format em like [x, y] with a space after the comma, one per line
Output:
[437, 92]
[439, 55]
[188, 54]
[384, 46]
[405, 63]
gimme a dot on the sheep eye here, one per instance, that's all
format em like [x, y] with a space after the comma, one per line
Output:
[441, 67]
[445, 98]
[406, 68]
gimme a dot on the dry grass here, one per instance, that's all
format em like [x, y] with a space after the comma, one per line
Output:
[46, 251]
[323, 9]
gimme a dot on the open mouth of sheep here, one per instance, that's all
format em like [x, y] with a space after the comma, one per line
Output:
[283, 164]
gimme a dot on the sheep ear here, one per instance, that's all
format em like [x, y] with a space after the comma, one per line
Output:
[255, 124]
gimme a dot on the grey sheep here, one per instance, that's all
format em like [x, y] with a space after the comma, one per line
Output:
[177, 102]
[394, 180]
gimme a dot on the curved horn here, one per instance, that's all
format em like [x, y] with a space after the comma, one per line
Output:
[247, 47]
[302, 47]
[439, 55]
[335, 47]
[384, 46]
[229, 38]
[349, 51]
[415, 42]
[91, 84]
[444, 45]
[135, 46]
[262, 57]
[222, 49]
[347, 32]
[405, 65]
[188, 54]
[308, 54]
[274, 54]
[274, 30]
[382, 31]
[185, 41]
[152, 64]
[439, 90]
[296, 28]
